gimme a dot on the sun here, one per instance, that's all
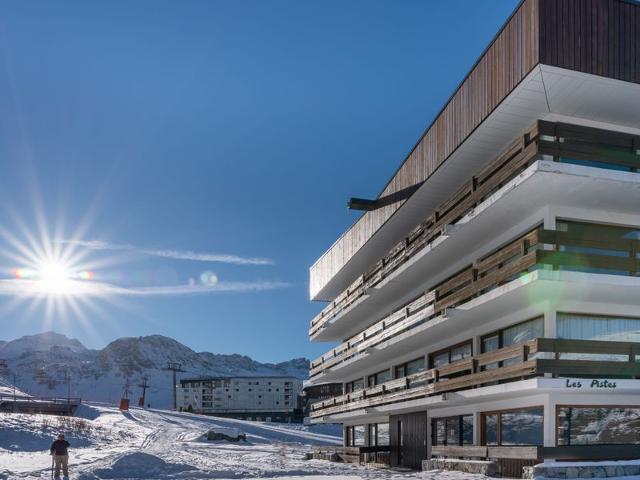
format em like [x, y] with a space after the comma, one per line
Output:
[54, 277]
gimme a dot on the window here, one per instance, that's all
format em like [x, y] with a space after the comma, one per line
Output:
[514, 427]
[409, 368]
[598, 425]
[519, 333]
[592, 327]
[378, 434]
[378, 378]
[451, 355]
[599, 242]
[354, 385]
[456, 430]
[355, 436]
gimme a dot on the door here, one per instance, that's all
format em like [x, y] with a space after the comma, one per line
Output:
[409, 439]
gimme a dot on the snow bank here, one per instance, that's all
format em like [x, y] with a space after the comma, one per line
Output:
[140, 465]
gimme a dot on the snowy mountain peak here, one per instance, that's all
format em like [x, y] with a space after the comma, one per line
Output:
[41, 342]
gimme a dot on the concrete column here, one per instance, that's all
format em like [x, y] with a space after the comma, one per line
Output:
[550, 218]
[477, 427]
[429, 436]
[550, 330]
[549, 422]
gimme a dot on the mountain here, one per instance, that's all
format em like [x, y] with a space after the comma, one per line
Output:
[51, 364]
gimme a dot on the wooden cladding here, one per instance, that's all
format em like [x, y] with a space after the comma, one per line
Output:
[600, 37]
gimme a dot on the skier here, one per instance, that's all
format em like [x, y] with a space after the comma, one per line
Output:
[59, 451]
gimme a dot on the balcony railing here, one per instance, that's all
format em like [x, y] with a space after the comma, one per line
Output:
[547, 138]
[536, 249]
[518, 362]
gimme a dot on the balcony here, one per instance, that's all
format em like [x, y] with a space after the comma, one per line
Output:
[558, 140]
[538, 249]
[517, 362]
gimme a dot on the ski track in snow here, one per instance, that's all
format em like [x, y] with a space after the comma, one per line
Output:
[156, 444]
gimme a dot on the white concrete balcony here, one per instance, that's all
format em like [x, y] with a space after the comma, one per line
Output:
[519, 203]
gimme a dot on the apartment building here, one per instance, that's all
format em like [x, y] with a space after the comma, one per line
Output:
[486, 305]
[268, 399]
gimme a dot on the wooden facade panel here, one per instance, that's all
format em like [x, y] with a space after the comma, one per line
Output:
[600, 37]
[513, 53]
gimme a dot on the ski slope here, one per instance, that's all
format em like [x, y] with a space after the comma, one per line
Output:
[158, 444]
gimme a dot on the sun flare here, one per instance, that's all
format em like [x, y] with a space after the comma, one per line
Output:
[55, 278]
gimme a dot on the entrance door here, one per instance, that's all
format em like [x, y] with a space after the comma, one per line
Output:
[409, 439]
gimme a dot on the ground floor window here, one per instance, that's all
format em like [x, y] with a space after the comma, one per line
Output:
[354, 436]
[598, 425]
[456, 430]
[514, 427]
[379, 434]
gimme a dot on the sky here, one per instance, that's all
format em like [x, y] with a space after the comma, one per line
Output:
[175, 167]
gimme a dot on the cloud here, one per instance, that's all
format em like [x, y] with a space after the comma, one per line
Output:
[35, 288]
[174, 254]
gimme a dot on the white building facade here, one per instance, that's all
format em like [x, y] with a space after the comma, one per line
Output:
[488, 308]
[270, 399]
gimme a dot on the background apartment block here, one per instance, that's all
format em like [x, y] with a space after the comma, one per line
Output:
[270, 399]
[486, 304]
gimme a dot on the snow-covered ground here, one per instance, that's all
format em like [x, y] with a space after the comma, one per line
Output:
[158, 444]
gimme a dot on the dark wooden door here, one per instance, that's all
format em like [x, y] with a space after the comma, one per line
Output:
[408, 435]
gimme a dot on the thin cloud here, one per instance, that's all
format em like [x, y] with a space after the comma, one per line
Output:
[174, 254]
[34, 288]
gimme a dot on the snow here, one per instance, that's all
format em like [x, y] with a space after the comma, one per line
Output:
[159, 444]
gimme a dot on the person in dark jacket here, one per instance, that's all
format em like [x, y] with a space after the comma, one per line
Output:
[60, 451]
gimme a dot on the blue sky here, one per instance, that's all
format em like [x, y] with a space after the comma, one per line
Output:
[148, 141]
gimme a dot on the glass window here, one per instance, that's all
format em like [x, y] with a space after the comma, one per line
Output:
[491, 429]
[456, 430]
[450, 355]
[598, 425]
[439, 431]
[383, 434]
[358, 435]
[517, 427]
[523, 332]
[461, 352]
[415, 366]
[523, 427]
[491, 343]
[380, 377]
[590, 327]
[409, 368]
[467, 430]
[440, 359]
[453, 430]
